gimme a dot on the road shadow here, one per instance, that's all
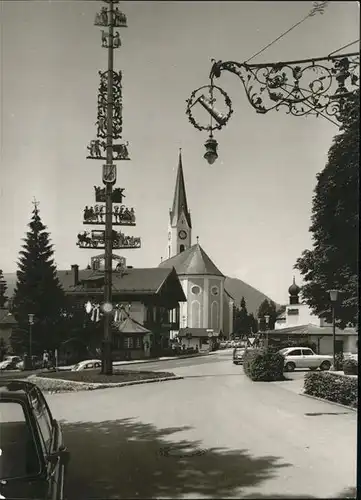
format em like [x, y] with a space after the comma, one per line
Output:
[128, 459]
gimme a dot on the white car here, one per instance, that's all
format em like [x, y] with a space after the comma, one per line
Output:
[10, 363]
[88, 364]
[304, 357]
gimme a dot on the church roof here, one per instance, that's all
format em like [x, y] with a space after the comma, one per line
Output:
[180, 198]
[194, 260]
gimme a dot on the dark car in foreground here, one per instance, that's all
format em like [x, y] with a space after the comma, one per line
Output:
[33, 457]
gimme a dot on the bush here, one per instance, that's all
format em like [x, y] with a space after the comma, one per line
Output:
[263, 365]
[333, 387]
[350, 367]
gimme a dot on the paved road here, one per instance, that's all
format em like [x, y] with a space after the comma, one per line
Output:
[214, 434]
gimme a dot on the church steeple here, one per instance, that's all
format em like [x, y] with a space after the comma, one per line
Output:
[180, 225]
[180, 197]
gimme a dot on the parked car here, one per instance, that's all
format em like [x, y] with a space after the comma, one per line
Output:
[238, 354]
[33, 458]
[302, 357]
[10, 363]
[88, 364]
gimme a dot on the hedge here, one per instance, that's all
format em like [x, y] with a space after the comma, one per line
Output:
[263, 365]
[350, 367]
[332, 387]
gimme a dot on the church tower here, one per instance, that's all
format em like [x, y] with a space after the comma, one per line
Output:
[180, 225]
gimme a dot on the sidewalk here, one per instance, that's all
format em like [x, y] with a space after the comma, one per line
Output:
[149, 360]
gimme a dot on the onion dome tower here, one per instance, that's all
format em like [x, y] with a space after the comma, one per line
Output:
[294, 291]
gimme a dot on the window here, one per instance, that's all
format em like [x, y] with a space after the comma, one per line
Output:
[292, 312]
[307, 352]
[138, 343]
[214, 290]
[89, 366]
[181, 248]
[43, 418]
[295, 352]
[19, 457]
[196, 290]
[128, 342]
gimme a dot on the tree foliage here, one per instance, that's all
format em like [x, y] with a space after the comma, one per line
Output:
[267, 308]
[332, 262]
[37, 292]
[244, 323]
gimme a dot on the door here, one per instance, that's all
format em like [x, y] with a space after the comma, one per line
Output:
[296, 357]
[51, 441]
[309, 360]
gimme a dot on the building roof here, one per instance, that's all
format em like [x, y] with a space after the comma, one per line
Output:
[196, 332]
[194, 260]
[145, 281]
[311, 329]
[180, 198]
[6, 318]
[131, 326]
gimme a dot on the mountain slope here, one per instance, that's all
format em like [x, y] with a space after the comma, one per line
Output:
[238, 289]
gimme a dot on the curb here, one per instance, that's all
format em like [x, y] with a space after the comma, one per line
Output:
[153, 360]
[327, 401]
[170, 358]
[109, 385]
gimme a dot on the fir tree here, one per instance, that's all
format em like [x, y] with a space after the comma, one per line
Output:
[37, 292]
[267, 307]
[333, 261]
[3, 288]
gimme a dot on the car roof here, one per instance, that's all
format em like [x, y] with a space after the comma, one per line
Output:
[15, 389]
[89, 361]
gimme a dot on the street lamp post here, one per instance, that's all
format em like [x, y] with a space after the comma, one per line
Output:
[31, 322]
[334, 298]
[267, 318]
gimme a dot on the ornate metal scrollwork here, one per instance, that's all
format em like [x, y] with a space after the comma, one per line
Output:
[308, 87]
[220, 118]
[96, 239]
[97, 150]
[117, 195]
[103, 18]
[122, 216]
[117, 122]
[115, 43]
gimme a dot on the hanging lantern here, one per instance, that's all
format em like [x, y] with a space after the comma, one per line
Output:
[211, 146]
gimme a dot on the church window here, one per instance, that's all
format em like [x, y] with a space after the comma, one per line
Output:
[196, 290]
[195, 314]
[214, 290]
[181, 248]
[214, 316]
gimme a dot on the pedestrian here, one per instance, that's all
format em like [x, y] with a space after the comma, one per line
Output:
[45, 359]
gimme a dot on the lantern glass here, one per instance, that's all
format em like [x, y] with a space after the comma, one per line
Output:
[88, 307]
[333, 295]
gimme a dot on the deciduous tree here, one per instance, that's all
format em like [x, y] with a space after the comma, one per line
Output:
[333, 261]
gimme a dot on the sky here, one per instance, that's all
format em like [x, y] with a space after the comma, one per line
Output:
[251, 209]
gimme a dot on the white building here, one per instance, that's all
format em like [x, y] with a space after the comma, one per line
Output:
[298, 321]
[209, 307]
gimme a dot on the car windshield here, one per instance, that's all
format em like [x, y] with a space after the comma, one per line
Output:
[18, 456]
[282, 351]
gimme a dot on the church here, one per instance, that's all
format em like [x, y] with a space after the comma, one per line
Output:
[208, 309]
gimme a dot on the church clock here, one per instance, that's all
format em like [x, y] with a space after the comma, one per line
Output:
[182, 234]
